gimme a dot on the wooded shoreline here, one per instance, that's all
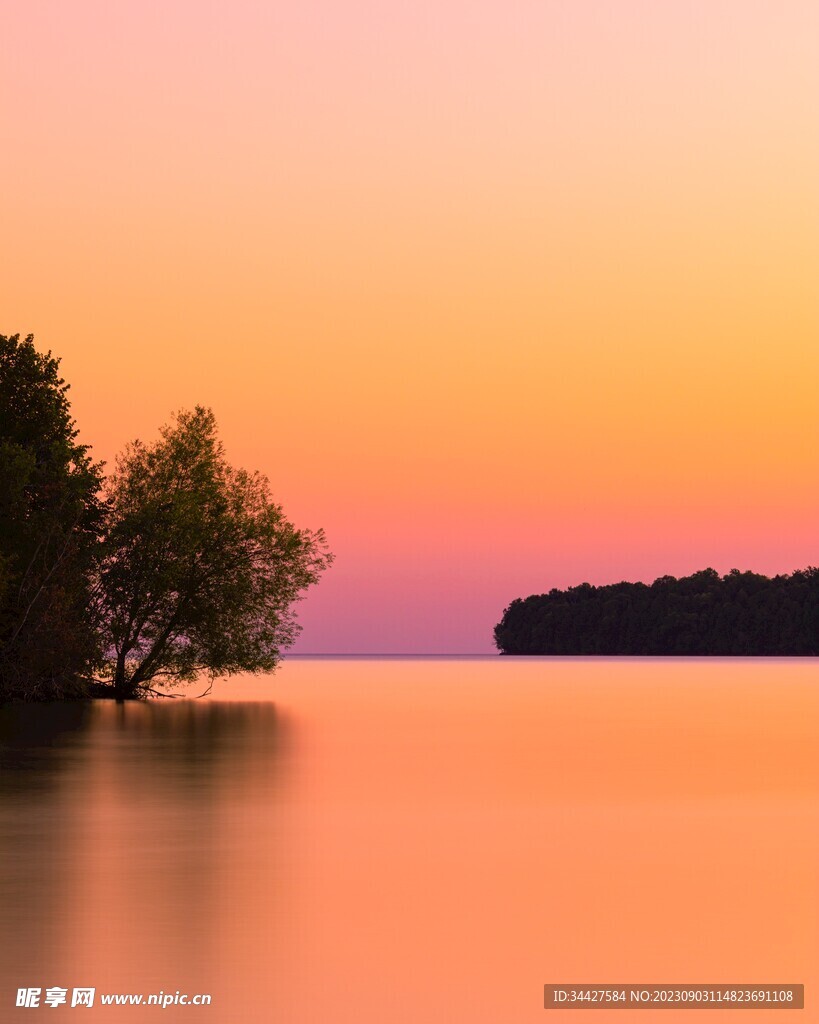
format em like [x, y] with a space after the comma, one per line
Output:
[741, 614]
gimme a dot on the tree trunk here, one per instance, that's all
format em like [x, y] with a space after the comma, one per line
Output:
[122, 688]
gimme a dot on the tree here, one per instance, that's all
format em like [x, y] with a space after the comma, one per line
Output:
[200, 567]
[50, 521]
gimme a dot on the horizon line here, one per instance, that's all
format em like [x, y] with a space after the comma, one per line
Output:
[391, 654]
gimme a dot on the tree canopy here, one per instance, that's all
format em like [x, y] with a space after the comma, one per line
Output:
[741, 613]
[199, 568]
[50, 520]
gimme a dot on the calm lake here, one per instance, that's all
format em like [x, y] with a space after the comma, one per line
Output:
[417, 840]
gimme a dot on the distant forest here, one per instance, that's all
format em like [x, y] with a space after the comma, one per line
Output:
[741, 613]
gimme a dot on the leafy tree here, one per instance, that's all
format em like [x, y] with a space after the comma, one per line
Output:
[50, 520]
[200, 567]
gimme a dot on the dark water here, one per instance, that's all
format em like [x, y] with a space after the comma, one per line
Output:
[421, 840]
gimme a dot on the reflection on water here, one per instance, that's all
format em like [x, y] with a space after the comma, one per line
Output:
[416, 840]
[120, 826]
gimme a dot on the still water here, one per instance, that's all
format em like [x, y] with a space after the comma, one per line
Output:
[416, 840]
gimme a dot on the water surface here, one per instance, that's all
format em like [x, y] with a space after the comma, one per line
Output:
[416, 840]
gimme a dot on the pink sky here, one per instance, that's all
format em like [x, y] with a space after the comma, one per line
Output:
[504, 297]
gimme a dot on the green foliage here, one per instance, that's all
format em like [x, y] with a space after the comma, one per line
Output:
[741, 613]
[200, 567]
[50, 519]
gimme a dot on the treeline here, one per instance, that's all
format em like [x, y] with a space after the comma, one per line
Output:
[741, 613]
[174, 565]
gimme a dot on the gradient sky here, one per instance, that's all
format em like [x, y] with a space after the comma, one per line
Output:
[505, 296]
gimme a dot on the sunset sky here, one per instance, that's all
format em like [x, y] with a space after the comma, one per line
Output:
[505, 296]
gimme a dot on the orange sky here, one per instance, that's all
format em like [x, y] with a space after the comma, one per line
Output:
[504, 296]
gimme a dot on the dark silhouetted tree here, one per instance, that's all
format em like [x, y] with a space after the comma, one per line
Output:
[50, 520]
[201, 568]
